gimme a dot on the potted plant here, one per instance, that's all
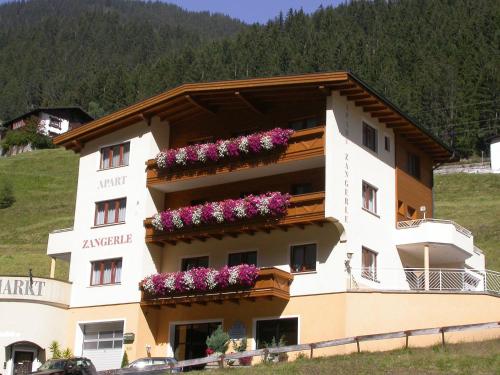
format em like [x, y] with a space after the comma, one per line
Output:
[241, 347]
[217, 342]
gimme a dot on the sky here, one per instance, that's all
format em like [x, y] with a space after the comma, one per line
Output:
[251, 11]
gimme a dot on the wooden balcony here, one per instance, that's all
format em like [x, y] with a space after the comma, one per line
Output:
[271, 283]
[305, 209]
[303, 144]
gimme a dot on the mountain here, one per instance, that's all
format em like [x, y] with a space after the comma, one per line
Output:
[438, 60]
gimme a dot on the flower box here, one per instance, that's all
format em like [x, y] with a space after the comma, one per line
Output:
[206, 153]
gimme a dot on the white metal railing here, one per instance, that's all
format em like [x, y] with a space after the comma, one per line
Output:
[415, 223]
[418, 279]
[62, 230]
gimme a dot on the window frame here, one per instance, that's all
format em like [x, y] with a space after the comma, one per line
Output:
[365, 138]
[363, 198]
[303, 120]
[292, 246]
[369, 273]
[181, 268]
[98, 340]
[414, 165]
[275, 318]
[106, 209]
[243, 252]
[110, 156]
[101, 262]
[387, 143]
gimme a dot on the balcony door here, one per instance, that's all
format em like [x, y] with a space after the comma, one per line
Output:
[190, 339]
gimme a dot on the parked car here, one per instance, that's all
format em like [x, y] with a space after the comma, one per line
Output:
[70, 366]
[145, 363]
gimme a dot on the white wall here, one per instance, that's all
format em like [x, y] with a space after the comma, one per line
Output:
[48, 126]
[495, 155]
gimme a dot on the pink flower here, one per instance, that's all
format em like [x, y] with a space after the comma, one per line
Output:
[191, 154]
[212, 153]
[254, 143]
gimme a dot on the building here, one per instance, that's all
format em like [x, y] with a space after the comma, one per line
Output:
[53, 121]
[353, 249]
[495, 154]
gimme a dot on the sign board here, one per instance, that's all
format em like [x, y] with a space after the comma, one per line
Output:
[237, 331]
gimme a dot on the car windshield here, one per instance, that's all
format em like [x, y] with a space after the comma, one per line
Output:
[53, 365]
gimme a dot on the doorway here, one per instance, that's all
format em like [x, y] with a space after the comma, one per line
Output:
[23, 362]
[190, 339]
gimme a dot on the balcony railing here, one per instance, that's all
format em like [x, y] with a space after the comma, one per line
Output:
[420, 279]
[302, 144]
[304, 209]
[419, 222]
[271, 283]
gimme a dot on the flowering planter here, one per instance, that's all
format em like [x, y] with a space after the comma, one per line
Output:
[203, 154]
[268, 205]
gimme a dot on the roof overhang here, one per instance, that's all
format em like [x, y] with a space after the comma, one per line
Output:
[191, 100]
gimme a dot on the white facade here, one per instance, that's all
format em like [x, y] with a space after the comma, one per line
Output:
[495, 155]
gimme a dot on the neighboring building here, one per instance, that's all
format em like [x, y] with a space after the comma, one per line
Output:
[495, 154]
[357, 252]
[53, 121]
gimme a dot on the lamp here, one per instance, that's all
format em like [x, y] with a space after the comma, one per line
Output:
[148, 350]
[423, 209]
[347, 262]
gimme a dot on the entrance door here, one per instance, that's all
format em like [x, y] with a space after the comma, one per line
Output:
[190, 339]
[23, 363]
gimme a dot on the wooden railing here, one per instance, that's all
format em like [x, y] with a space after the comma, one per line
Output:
[310, 347]
[303, 144]
[304, 209]
[271, 283]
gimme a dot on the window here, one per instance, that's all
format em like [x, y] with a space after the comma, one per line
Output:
[414, 165]
[188, 263]
[401, 208]
[369, 264]
[302, 188]
[103, 340]
[110, 212]
[370, 137]
[410, 212]
[197, 202]
[115, 156]
[200, 141]
[387, 143]
[307, 123]
[245, 132]
[303, 258]
[55, 122]
[285, 329]
[369, 197]
[247, 257]
[105, 272]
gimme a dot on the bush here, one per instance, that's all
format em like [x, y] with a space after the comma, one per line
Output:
[7, 198]
[125, 359]
[28, 134]
[218, 341]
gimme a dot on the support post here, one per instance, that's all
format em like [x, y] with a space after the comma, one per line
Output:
[442, 337]
[52, 267]
[357, 344]
[426, 266]
[311, 351]
[406, 344]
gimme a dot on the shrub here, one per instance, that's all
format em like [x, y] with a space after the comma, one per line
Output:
[28, 134]
[218, 341]
[55, 350]
[7, 198]
[125, 359]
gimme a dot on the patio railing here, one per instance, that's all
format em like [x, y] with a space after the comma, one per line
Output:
[420, 279]
[418, 222]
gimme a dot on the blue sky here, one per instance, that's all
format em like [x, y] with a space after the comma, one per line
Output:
[251, 11]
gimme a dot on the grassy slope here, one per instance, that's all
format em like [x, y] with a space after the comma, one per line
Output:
[44, 184]
[470, 358]
[473, 200]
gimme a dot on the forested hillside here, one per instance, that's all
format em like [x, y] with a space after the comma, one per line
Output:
[438, 60]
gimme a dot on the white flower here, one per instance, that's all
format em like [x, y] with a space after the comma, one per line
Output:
[243, 145]
[197, 216]
[149, 286]
[239, 210]
[222, 148]
[157, 224]
[202, 153]
[161, 159]
[266, 142]
[217, 213]
[176, 219]
[181, 156]
[263, 206]
[233, 275]
[170, 283]
[188, 281]
[211, 283]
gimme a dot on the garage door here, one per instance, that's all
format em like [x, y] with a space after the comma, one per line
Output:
[103, 344]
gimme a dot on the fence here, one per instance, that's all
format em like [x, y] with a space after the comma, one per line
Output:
[156, 369]
[418, 222]
[434, 279]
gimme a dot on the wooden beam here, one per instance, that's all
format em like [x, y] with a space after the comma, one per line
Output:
[324, 90]
[198, 105]
[397, 124]
[382, 113]
[249, 104]
[353, 91]
[389, 119]
[358, 97]
[372, 108]
[344, 86]
[186, 240]
[362, 103]
[146, 118]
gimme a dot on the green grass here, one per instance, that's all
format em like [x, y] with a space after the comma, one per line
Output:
[44, 183]
[473, 201]
[469, 358]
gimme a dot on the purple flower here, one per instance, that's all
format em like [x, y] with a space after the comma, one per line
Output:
[232, 148]
[186, 214]
[222, 279]
[170, 160]
[212, 153]
[207, 213]
[191, 154]
[247, 274]
[254, 143]
[166, 220]
[200, 278]
[228, 209]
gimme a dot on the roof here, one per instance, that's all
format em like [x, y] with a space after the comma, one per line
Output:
[35, 111]
[191, 100]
